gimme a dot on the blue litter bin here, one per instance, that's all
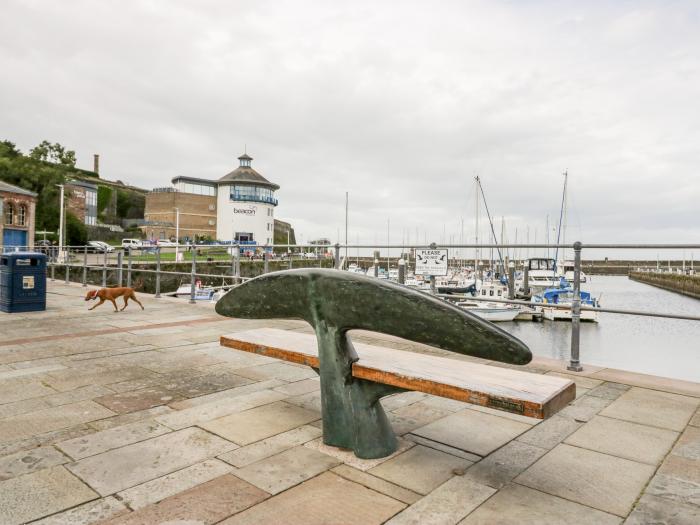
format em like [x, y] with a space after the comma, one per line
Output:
[22, 282]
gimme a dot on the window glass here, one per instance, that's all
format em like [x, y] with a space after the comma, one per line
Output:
[9, 212]
[22, 215]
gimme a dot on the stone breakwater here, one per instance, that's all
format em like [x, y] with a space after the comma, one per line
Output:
[684, 284]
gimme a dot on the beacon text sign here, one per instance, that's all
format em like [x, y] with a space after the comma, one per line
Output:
[431, 262]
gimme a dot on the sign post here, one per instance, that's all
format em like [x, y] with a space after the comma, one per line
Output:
[430, 263]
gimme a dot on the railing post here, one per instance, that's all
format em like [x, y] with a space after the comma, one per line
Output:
[104, 271]
[266, 267]
[85, 266]
[120, 270]
[402, 271]
[192, 273]
[290, 254]
[376, 263]
[526, 279]
[66, 260]
[575, 363]
[237, 259]
[511, 280]
[157, 272]
[128, 272]
[53, 270]
[337, 256]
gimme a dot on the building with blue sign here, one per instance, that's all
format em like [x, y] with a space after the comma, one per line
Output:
[238, 208]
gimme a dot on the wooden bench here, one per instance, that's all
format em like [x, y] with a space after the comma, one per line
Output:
[354, 377]
[524, 393]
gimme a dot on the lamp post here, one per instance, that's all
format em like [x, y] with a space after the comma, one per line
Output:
[60, 221]
[177, 232]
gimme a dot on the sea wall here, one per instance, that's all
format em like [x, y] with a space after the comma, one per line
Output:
[684, 284]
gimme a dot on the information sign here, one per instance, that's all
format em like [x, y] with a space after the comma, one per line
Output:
[431, 262]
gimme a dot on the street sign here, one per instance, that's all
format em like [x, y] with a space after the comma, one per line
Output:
[431, 262]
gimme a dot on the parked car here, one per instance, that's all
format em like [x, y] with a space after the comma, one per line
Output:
[99, 247]
[310, 255]
[133, 244]
[164, 243]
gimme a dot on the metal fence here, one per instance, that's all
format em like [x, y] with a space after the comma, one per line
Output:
[75, 258]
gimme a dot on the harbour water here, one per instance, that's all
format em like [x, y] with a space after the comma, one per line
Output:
[663, 347]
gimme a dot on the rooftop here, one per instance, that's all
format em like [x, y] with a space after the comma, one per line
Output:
[141, 417]
[6, 186]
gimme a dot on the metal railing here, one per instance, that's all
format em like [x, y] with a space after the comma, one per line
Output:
[232, 255]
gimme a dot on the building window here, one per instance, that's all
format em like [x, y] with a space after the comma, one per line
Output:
[9, 213]
[91, 198]
[240, 192]
[22, 215]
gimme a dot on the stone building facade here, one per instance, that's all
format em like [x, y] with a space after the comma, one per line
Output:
[17, 216]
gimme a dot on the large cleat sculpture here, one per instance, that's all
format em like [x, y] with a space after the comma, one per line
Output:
[334, 302]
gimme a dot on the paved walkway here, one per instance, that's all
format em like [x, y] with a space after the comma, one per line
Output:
[140, 417]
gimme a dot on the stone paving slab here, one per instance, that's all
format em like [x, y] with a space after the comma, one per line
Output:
[131, 465]
[518, 505]
[348, 457]
[269, 447]
[505, 464]
[87, 514]
[376, 484]
[216, 409]
[593, 479]
[322, 500]
[28, 461]
[41, 421]
[93, 444]
[473, 431]
[35, 495]
[662, 511]
[447, 504]
[204, 504]
[249, 426]
[420, 469]
[286, 469]
[624, 439]
[650, 407]
[160, 488]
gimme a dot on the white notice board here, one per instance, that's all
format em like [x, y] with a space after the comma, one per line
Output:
[431, 262]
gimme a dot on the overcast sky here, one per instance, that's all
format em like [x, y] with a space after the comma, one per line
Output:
[398, 103]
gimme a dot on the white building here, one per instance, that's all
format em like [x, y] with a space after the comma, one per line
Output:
[244, 203]
[245, 206]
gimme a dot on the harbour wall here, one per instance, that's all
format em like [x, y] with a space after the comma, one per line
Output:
[684, 284]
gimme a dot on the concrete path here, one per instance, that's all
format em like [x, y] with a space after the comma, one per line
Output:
[140, 417]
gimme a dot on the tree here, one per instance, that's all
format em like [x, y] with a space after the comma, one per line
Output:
[76, 232]
[55, 153]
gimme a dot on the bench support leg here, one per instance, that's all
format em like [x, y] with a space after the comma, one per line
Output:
[353, 417]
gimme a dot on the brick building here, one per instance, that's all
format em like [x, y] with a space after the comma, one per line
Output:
[197, 214]
[81, 200]
[17, 216]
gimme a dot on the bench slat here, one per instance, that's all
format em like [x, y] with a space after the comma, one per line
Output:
[533, 395]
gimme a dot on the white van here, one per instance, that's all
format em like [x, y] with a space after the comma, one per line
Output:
[133, 244]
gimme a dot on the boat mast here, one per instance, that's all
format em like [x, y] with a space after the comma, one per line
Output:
[561, 218]
[493, 231]
[476, 225]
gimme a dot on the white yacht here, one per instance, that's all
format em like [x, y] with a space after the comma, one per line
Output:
[541, 274]
[565, 269]
[493, 312]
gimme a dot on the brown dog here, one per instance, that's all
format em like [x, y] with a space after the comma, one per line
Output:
[110, 294]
